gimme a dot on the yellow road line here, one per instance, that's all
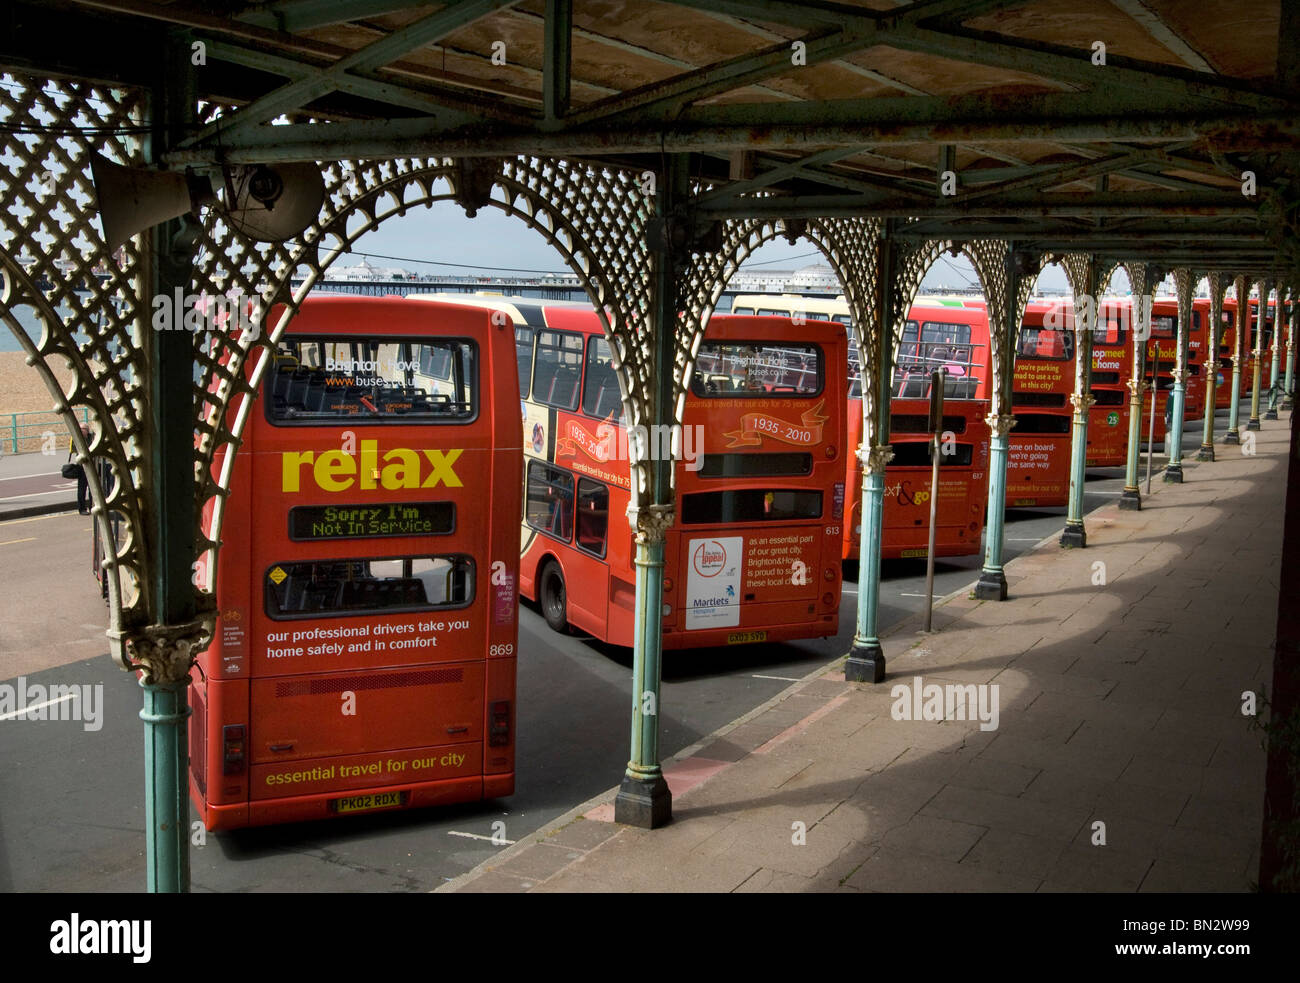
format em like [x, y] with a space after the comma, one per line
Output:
[10, 542]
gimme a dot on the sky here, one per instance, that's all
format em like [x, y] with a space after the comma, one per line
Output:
[493, 241]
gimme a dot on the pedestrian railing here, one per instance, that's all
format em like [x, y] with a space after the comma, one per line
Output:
[25, 432]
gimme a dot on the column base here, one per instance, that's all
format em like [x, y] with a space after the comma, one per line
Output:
[1206, 453]
[865, 664]
[1173, 474]
[1074, 537]
[1253, 424]
[1287, 403]
[1131, 500]
[1232, 437]
[643, 802]
[992, 586]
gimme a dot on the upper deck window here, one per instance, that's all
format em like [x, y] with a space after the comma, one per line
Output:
[757, 369]
[557, 369]
[1048, 343]
[315, 379]
[601, 396]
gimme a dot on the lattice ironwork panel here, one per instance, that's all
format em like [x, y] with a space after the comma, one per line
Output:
[88, 302]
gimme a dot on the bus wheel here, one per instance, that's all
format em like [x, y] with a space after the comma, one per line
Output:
[554, 602]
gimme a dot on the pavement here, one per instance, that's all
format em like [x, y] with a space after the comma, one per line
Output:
[31, 484]
[1119, 758]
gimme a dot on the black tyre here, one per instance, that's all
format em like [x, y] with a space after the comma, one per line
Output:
[551, 595]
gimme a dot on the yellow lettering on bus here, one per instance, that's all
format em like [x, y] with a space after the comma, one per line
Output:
[404, 472]
[442, 469]
[291, 467]
[331, 467]
[369, 463]
[336, 470]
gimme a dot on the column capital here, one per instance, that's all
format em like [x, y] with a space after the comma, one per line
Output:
[875, 458]
[650, 523]
[165, 653]
[1000, 424]
[1082, 401]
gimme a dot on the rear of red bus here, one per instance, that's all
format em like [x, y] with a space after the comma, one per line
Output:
[951, 336]
[1112, 368]
[754, 552]
[1038, 454]
[1161, 359]
[364, 655]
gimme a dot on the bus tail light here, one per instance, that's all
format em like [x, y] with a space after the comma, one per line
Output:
[828, 599]
[830, 573]
[232, 744]
[668, 584]
[499, 724]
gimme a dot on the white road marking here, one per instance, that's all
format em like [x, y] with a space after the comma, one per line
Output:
[479, 836]
[39, 706]
[784, 679]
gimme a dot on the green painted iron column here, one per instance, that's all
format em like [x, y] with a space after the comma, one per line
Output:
[1265, 288]
[1142, 280]
[1241, 287]
[1183, 284]
[992, 585]
[866, 660]
[1288, 389]
[1085, 316]
[1275, 368]
[1214, 337]
[171, 519]
[644, 799]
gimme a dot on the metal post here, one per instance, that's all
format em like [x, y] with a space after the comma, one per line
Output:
[1275, 364]
[643, 798]
[1140, 325]
[1151, 426]
[1178, 398]
[1212, 336]
[936, 426]
[1265, 288]
[1241, 286]
[866, 660]
[1288, 394]
[1085, 314]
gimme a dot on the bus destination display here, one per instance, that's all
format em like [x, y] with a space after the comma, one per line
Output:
[308, 522]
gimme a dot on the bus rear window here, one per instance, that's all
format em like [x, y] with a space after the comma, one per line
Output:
[364, 586]
[1046, 343]
[755, 465]
[1037, 399]
[916, 454]
[730, 369]
[750, 505]
[1043, 423]
[314, 379]
[919, 423]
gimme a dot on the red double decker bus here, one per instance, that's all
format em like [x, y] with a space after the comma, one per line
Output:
[753, 553]
[365, 648]
[1161, 356]
[1112, 368]
[1038, 452]
[1247, 348]
[946, 334]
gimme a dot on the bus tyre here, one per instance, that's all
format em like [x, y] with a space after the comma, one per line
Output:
[552, 595]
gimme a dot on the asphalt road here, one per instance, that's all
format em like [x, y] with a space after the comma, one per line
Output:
[71, 807]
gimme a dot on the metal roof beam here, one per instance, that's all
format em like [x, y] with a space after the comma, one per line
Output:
[303, 15]
[558, 52]
[299, 93]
